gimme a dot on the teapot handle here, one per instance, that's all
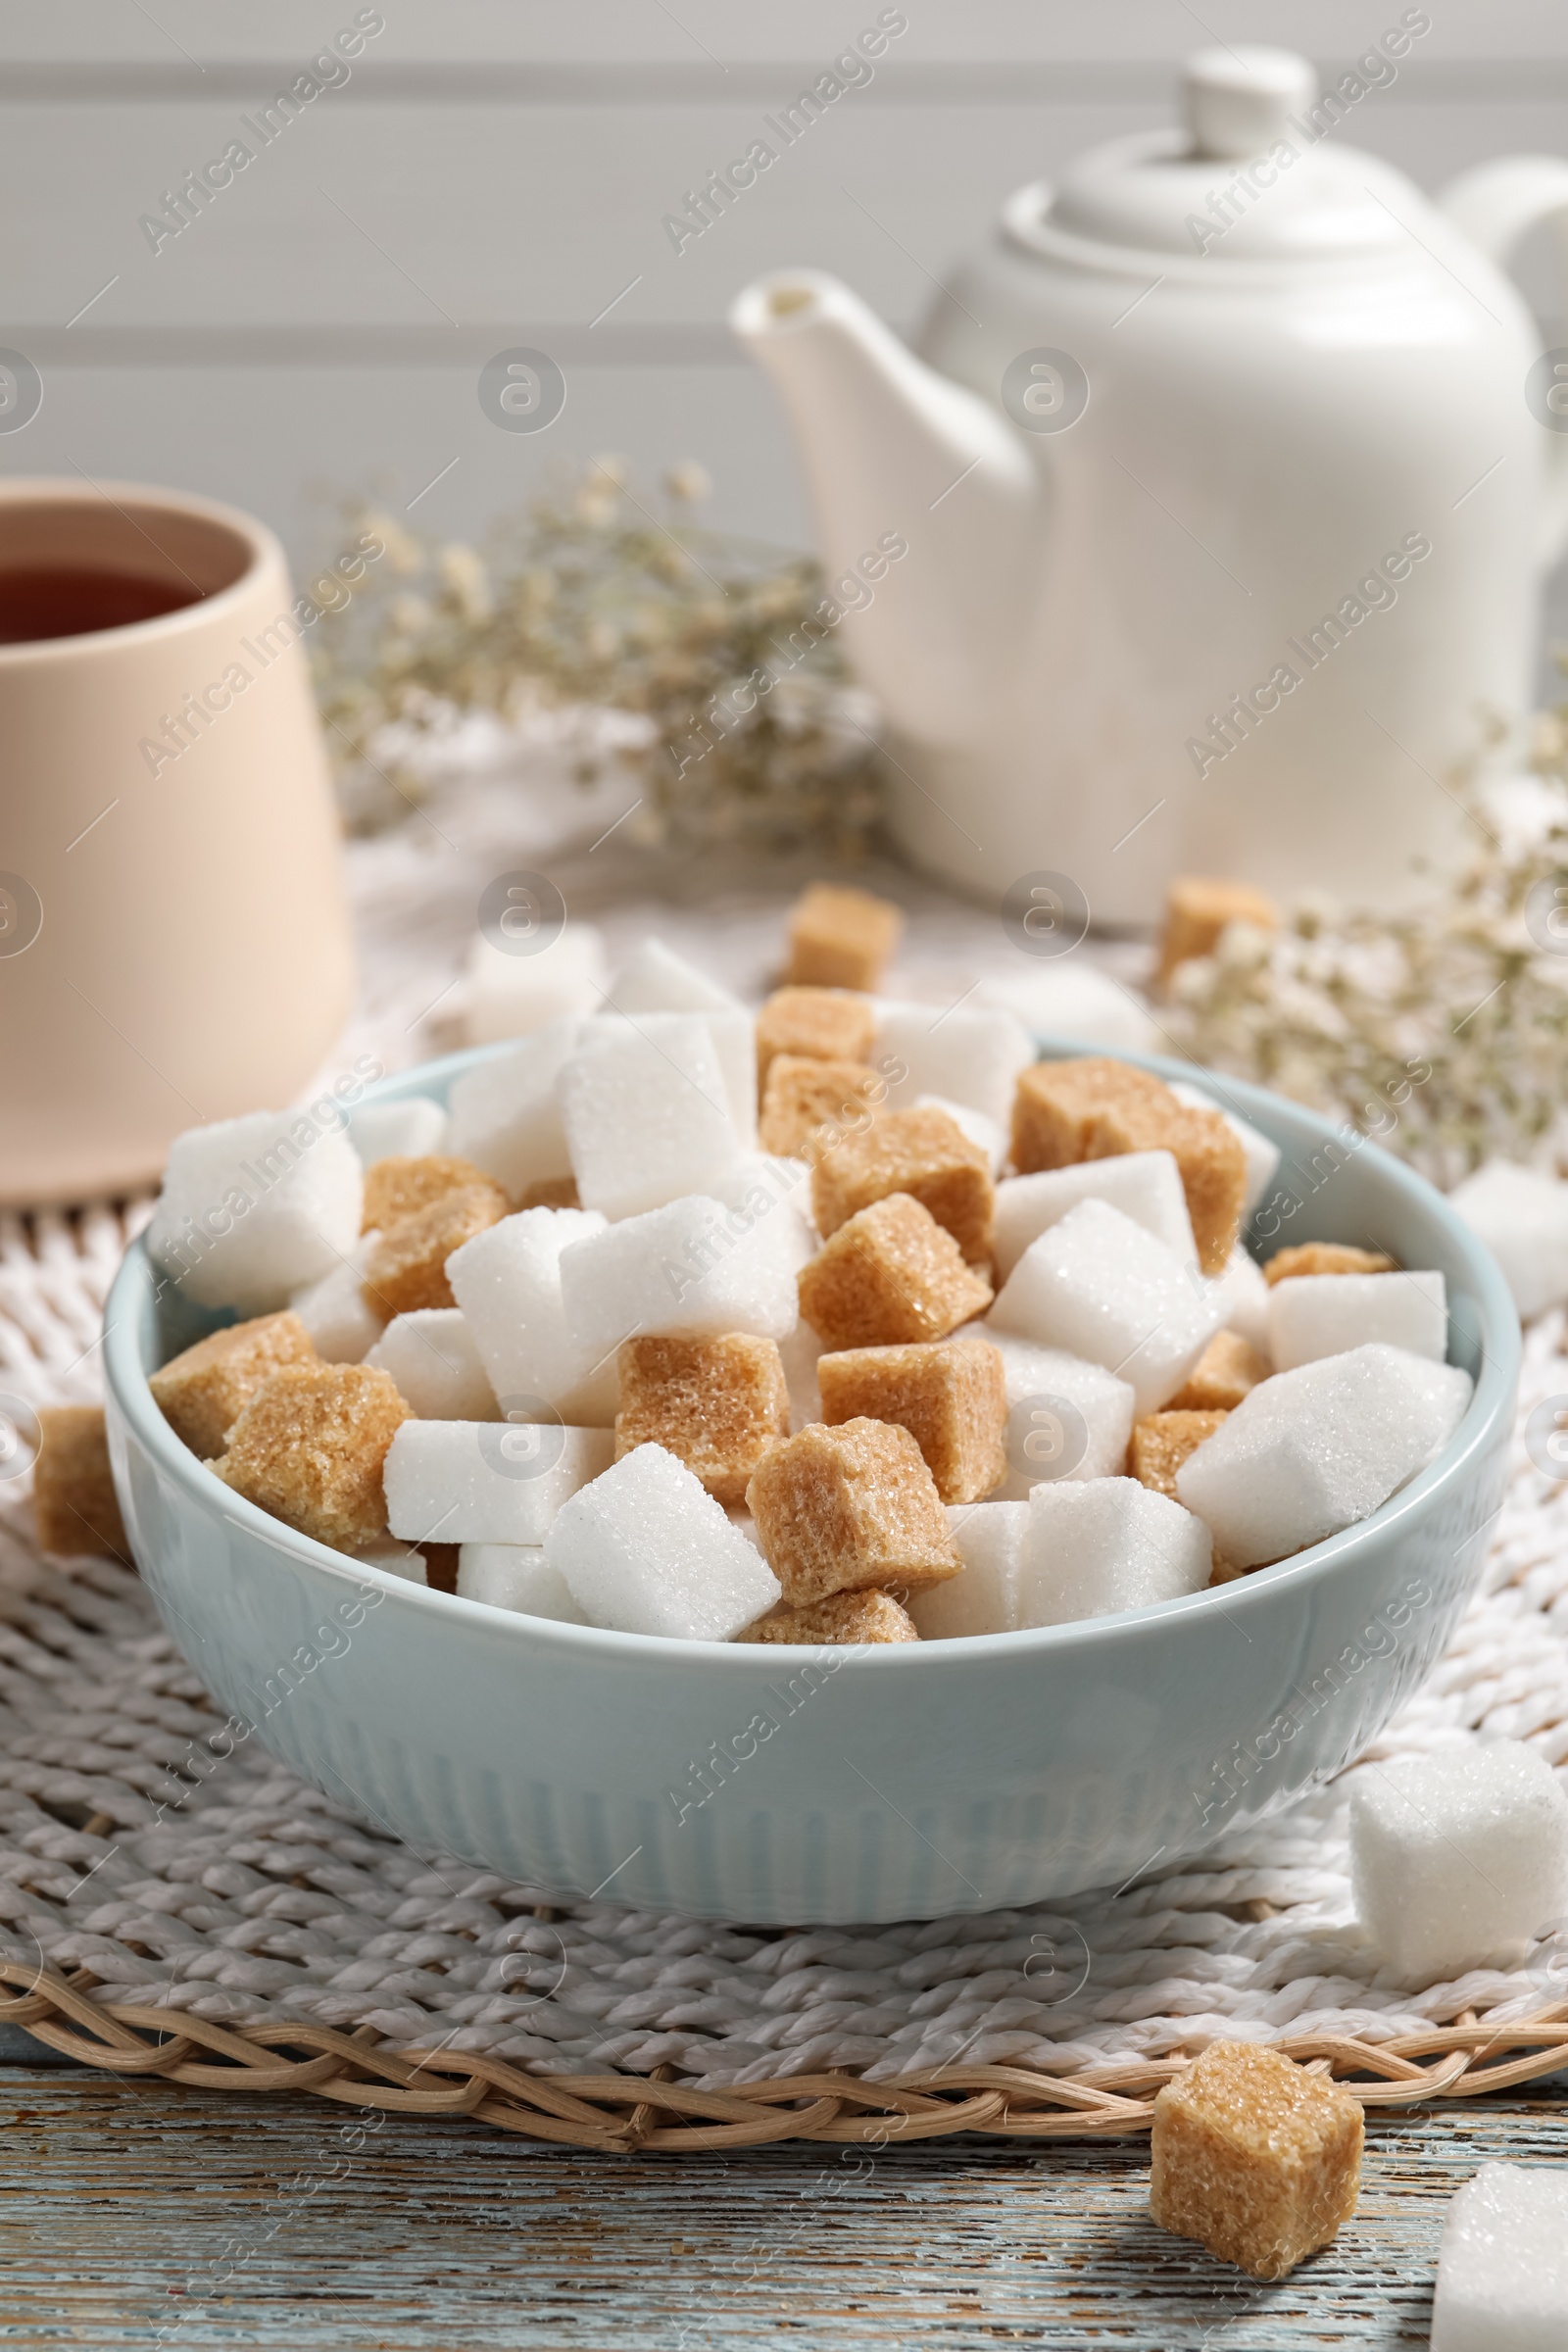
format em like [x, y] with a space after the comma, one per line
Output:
[1495, 205]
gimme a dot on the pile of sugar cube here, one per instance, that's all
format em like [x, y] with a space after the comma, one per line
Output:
[846, 1320]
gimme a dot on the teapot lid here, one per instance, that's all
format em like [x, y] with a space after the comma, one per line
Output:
[1251, 176]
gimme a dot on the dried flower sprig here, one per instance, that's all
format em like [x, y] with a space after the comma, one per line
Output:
[723, 652]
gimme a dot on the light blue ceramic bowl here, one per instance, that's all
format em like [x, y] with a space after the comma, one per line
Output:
[806, 1787]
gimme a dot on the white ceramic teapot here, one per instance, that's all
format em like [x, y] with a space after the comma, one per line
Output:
[1227, 481]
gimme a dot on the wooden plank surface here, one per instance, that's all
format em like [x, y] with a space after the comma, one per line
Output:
[133, 2208]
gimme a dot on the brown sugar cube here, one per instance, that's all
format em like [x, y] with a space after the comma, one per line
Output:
[951, 1399]
[1208, 1157]
[309, 1445]
[551, 1191]
[840, 938]
[1225, 1572]
[1056, 1102]
[202, 1392]
[816, 1024]
[1161, 1444]
[397, 1187]
[1326, 1257]
[715, 1404]
[891, 1274]
[1229, 1369]
[440, 1566]
[839, 1510]
[75, 1506]
[408, 1267]
[923, 1152]
[843, 1617]
[809, 1105]
[1255, 2157]
[1197, 908]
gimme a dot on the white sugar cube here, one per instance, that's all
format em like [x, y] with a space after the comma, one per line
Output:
[645, 1549]
[1458, 1858]
[1502, 2265]
[655, 979]
[507, 1282]
[512, 993]
[504, 1116]
[1262, 1156]
[410, 1128]
[1243, 1296]
[341, 1321]
[1102, 1545]
[972, 1054]
[1313, 1450]
[433, 1356]
[798, 1352]
[769, 1203]
[397, 1560]
[990, 1133]
[253, 1208]
[1064, 996]
[1146, 1186]
[646, 1112]
[1522, 1216]
[689, 1269]
[518, 1577]
[1312, 1316]
[486, 1481]
[1100, 1286]
[1067, 1417]
[984, 1599]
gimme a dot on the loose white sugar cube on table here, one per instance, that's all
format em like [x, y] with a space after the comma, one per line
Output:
[1262, 1156]
[407, 1130]
[768, 1200]
[1313, 1315]
[486, 1481]
[646, 1112]
[1243, 1293]
[504, 1116]
[691, 1269]
[971, 1053]
[1095, 1546]
[1313, 1450]
[1522, 1216]
[1146, 1186]
[645, 1549]
[1458, 1858]
[514, 991]
[655, 979]
[1502, 2265]
[798, 1351]
[1064, 996]
[254, 1208]
[1100, 1286]
[432, 1357]
[507, 1283]
[1067, 1417]
[984, 1599]
[517, 1576]
[990, 1133]
[342, 1323]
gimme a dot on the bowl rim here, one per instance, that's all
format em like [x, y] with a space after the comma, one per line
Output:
[1497, 1339]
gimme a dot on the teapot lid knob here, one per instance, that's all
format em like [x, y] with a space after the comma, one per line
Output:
[1238, 102]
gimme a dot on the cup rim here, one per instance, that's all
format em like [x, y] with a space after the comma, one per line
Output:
[265, 554]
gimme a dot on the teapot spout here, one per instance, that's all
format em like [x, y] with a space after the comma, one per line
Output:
[924, 501]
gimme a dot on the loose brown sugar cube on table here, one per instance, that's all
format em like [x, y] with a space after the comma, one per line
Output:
[408, 1267]
[841, 938]
[951, 1397]
[843, 1618]
[1229, 1369]
[1161, 1441]
[308, 1448]
[715, 1404]
[1326, 1257]
[809, 1105]
[202, 1392]
[1197, 908]
[1057, 1103]
[75, 1506]
[889, 1275]
[551, 1191]
[923, 1152]
[398, 1186]
[1255, 2157]
[1208, 1157]
[840, 1510]
[815, 1024]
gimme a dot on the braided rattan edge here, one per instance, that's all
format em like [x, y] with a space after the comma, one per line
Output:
[623, 2114]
